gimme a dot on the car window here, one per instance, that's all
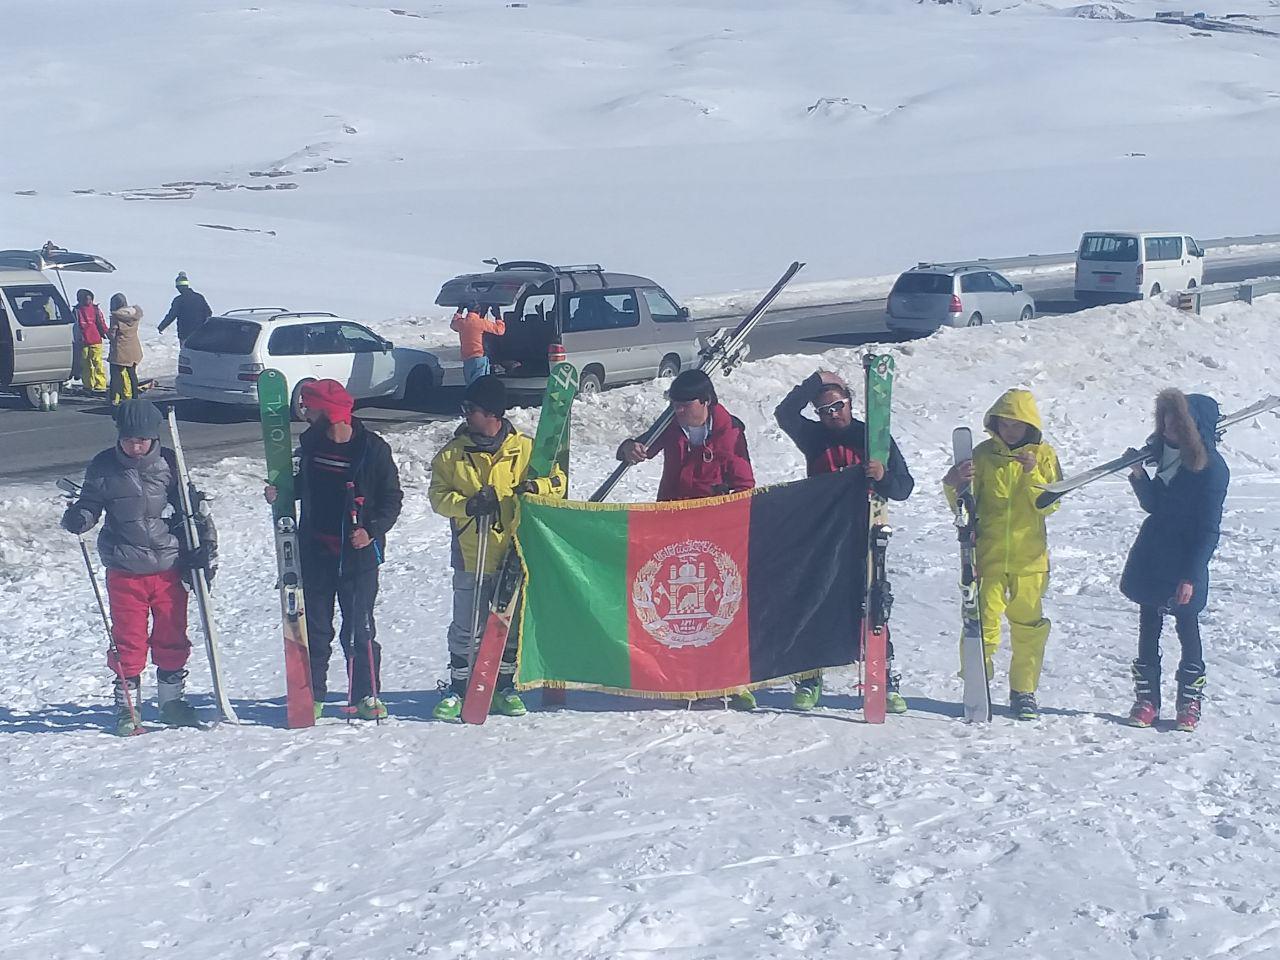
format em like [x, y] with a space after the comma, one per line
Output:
[223, 335]
[661, 307]
[38, 305]
[999, 284]
[1108, 248]
[1193, 249]
[360, 340]
[1164, 248]
[601, 311]
[979, 282]
[288, 341]
[924, 283]
[325, 338]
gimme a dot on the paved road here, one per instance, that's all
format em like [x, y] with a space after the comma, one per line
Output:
[44, 446]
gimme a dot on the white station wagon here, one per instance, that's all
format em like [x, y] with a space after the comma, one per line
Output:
[221, 361]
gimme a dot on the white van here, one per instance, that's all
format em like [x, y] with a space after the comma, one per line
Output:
[36, 325]
[1122, 265]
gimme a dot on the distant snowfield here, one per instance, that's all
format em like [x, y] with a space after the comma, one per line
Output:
[348, 155]
[629, 829]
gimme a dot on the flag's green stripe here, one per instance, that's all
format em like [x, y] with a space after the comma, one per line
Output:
[575, 623]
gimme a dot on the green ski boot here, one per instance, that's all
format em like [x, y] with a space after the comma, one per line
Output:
[319, 707]
[174, 709]
[371, 708]
[449, 707]
[1023, 706]
[807, 693]
[744, 700]
[894, 702]
[507, 703]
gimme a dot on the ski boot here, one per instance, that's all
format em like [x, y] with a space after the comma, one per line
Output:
[319, 707]
[174, 709]
[1146, 694]
[894, 702]
[371, 708]
[450, 705]
[128, 701]
[743, 700]
[1190, 697]
[507, 703]
[1023, 706]
[807, 693]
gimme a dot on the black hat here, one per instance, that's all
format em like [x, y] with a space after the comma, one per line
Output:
[138, 418]
[488, 393]
[692, 385]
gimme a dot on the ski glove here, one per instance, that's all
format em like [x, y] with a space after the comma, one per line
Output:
[203, 557]
[77, 520]
[483, 504]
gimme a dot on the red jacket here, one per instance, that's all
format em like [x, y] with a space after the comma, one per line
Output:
[93, 327]
[723, 465]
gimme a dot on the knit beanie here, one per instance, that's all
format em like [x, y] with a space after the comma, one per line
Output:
[138, 418]
[330, 398]
[488, 393]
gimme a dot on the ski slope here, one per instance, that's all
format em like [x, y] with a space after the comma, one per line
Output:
[622, 830]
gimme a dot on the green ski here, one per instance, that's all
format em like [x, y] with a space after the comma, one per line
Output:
[879, 598]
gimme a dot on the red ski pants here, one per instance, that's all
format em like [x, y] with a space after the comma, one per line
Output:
[137, 597]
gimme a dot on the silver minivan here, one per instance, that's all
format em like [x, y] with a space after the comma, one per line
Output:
[930, 296]
[614, 327]
[36, 325]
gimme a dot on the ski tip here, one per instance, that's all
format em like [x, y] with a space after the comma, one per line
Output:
[1048, 499]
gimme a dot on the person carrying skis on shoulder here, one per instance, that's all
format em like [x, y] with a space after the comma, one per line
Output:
[349, 493]
[1168, 566]
[838, 441]
[1008, 471]
[472, 324]
[135, 486]
[92, 327]
[189, 308]
[478, 474]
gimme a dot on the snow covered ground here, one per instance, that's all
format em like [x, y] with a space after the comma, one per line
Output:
[629, 829]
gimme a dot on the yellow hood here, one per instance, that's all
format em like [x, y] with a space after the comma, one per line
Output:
[1016, 405]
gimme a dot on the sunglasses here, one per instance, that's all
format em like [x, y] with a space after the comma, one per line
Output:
[832, 408]
[468, 407]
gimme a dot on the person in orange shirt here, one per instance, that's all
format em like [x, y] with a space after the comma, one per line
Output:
[471, 324]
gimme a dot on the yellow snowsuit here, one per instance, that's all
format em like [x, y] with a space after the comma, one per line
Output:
[1013, 552]
[461, 468]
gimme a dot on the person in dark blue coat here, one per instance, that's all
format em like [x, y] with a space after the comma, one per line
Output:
[1168, 566]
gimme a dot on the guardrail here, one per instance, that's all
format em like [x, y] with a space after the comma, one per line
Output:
[1195, 300]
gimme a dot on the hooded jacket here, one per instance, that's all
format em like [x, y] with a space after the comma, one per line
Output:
[466, 464]
[126, 348]
[721, 465]
[1179, 537]
[92, 325]
[1011, 530]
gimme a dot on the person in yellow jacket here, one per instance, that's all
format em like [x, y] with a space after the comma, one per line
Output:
[478, 473]
[1007, 471]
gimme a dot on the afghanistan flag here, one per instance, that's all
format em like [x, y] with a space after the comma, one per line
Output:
[694, 599]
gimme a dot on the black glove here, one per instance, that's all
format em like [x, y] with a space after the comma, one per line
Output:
[721, 490]
[76, 520]
[529, 486]
[483, 504]
[203, 557]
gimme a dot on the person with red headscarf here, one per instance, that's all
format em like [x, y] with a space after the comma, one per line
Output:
[350, 497]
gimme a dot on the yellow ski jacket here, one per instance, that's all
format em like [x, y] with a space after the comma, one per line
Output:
[1011, 529]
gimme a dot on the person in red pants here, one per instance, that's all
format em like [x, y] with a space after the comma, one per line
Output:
[134, 485]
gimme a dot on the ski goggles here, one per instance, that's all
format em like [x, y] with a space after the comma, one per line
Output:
[832, 408]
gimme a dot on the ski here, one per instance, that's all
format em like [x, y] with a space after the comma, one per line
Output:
[551, 438]
[277, 439]
[723, 350]
[973, 664]
[1053, 492]
[878, 369]
[200, 586]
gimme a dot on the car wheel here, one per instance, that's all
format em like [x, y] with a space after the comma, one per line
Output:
[1156, 291]
[295, 401]
[1027, 314]
[32, 394]
[590, 382]
[975, 320]
[669, 367]
[419, 387]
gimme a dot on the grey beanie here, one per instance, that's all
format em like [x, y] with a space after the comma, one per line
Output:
[138, 418]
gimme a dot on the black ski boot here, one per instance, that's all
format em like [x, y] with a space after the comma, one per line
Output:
[128, 701]
[1023, 706]
[1146, 694]
[1190, 695]
[174, 709]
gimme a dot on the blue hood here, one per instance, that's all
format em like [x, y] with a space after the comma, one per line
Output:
[1204, 411]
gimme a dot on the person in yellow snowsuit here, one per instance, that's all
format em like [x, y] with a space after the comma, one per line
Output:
[478, 474]
[1008, 470]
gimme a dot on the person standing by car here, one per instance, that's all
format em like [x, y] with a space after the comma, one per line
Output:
[189, 309]
[838, 441]
[126, 349]
[471, 324]
[91, 328]
[350, 495]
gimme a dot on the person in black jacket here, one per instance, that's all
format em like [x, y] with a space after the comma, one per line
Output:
[350, 496]
[1168, 566]
[189, 308]
[837, 441]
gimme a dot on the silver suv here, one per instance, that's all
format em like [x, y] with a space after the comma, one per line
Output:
[930, 296]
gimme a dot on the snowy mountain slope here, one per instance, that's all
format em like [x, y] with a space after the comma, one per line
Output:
[620, 829]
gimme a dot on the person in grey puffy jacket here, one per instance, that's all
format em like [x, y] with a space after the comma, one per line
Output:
[134, 485]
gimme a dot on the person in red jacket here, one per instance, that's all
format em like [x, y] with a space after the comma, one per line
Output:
[92, 326]
[704, 448]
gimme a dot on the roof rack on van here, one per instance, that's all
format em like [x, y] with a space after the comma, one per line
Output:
[304, 313]
[251, 310]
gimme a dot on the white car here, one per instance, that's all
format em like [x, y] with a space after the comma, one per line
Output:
[1134, 265]
[221, 361]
